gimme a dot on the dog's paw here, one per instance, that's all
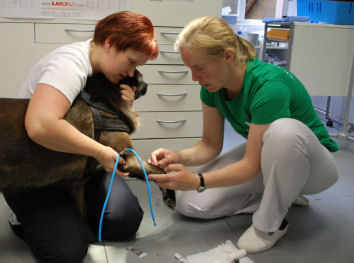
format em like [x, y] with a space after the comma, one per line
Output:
[169, 198]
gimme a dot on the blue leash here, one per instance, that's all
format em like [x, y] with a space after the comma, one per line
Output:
[110, 188]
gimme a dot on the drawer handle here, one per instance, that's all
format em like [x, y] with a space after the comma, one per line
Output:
[169, 33]
[169, 52]
[171, 122]
[172, 94]
[79, 30]
[173, 71]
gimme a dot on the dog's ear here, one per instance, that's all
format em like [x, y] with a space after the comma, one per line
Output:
[138, 82]
[141, 87]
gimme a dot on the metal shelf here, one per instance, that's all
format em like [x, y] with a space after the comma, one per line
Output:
[267, 40]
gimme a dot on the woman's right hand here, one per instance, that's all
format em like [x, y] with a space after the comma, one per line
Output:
[107, 158]
[163, 157]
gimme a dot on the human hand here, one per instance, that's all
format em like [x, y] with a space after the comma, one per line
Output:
[107, 158]
[127, 93]
[163, 157]
[180, 178]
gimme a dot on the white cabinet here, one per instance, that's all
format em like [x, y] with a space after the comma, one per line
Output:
[322, 57]
[174, 12]
[170, 111]
[62, 33]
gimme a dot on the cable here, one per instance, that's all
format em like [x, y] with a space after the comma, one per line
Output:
[109, 192]
[106, 201]
[147, 185]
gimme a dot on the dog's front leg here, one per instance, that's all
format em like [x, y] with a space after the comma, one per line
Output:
[133, 166]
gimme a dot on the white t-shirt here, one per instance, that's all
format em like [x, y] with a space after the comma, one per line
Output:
[65, 68]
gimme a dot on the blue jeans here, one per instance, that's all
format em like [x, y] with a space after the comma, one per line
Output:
[55, 230]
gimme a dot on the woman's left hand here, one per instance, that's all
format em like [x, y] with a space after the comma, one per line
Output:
[180, 178]
[127, 93]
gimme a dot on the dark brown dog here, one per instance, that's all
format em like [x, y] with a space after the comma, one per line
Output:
[27, 165]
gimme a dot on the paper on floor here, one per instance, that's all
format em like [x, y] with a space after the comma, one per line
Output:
[224, 253]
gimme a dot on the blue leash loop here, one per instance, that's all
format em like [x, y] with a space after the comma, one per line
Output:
[110, 188]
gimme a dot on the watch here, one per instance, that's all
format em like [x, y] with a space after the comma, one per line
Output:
[201, 187]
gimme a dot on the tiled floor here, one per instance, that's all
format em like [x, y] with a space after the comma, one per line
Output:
[322, 232]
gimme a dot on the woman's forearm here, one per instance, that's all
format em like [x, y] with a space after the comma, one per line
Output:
[59, 135]
[200, 153]
[233, 174]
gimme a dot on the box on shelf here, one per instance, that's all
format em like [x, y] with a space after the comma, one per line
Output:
[328, 12]
[281, 34]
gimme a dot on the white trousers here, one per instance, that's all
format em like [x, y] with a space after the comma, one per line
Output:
[293, 162]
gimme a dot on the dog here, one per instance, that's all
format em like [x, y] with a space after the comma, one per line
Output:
[98, 112]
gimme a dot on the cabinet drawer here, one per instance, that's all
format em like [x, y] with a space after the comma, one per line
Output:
[166, 74]
[167, 55]
[167, 35]
[170, 98]
[63, 33]
[169, 125]
[145, 147]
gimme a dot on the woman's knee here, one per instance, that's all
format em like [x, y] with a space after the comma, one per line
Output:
[190, 207]
[184, 207]
[123, 222]
[123, 213]
[283, 129]
[69, 252]
[284, 135]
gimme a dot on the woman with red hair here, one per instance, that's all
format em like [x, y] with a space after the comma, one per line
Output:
[47, 219]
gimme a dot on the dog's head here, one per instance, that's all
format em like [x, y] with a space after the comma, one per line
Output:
[102, 90]
[104, 95]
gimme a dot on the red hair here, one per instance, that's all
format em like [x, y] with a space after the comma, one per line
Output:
[127, 30]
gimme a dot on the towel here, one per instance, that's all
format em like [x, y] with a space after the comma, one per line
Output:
[223, 253]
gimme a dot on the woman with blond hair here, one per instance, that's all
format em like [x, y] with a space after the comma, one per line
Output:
[48, 219]
[287, 152]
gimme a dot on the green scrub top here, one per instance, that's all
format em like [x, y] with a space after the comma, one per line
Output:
[268, 93]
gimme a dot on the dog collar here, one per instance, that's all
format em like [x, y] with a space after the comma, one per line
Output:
[96, 104]
[103, 123]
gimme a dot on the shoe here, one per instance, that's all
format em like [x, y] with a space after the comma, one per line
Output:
[255, 240]
[301, 201]
[15, 225]
[18, 230]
